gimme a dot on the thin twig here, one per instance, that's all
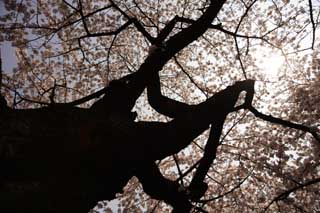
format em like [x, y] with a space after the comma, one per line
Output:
[235, 38]
[228, 192]
[286, 193]
[190, 78]
[239, 58]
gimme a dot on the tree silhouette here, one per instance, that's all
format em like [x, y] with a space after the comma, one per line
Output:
[63, 158]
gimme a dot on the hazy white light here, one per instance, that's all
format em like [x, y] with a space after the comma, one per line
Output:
[269, 62]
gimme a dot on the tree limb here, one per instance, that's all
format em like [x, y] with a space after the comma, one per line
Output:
[197, 188]
[115, 32]
[190, 78]
[0, 72]
[228, 192]
[284, 123]
[313, 24]
[137, 24]
[286, 193]
[191, 33]
[3, 102]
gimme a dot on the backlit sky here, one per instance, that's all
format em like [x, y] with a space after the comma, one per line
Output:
[7, 52]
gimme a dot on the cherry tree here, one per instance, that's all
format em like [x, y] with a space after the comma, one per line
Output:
[89, 74]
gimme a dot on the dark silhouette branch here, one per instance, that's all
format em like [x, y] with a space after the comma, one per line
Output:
[145, 15]
[88, 135]
[63, 25]
[190, 78]
[239, 58]
[70, 5]
[84, 58]
[163, 104]
[312, 23]
[3, 102]
[0, 72]
[82, 17]
[219, 27]
[176, 161]
[188, 171]
[109, 53]
[285, 194]
[156, 61]
[235, 38]
[100, 34]
[165, 31]
[164, 189]
[195, 30]
[285, 123]
[197, 186]
[244, 15]
[228, 192]
[206, 161]
[137, 24]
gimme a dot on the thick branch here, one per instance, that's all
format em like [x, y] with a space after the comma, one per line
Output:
[197, 187]
[230, 95]
[193, 32]
[155, 62]
[219, 27]
[3, 102]
[165, 31]
[163, 104]
[0, 72]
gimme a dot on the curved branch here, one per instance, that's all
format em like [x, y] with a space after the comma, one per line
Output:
[197, 186]
[286, 193]
[195, 30]
[228, 192]
[190, 78]
[284, 123]
[313, 24]
[163, 104]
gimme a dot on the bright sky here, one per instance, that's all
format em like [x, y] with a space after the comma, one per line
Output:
[7, 52]
[269, 62]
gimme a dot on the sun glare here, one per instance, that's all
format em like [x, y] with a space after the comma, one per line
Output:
[269, 62]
